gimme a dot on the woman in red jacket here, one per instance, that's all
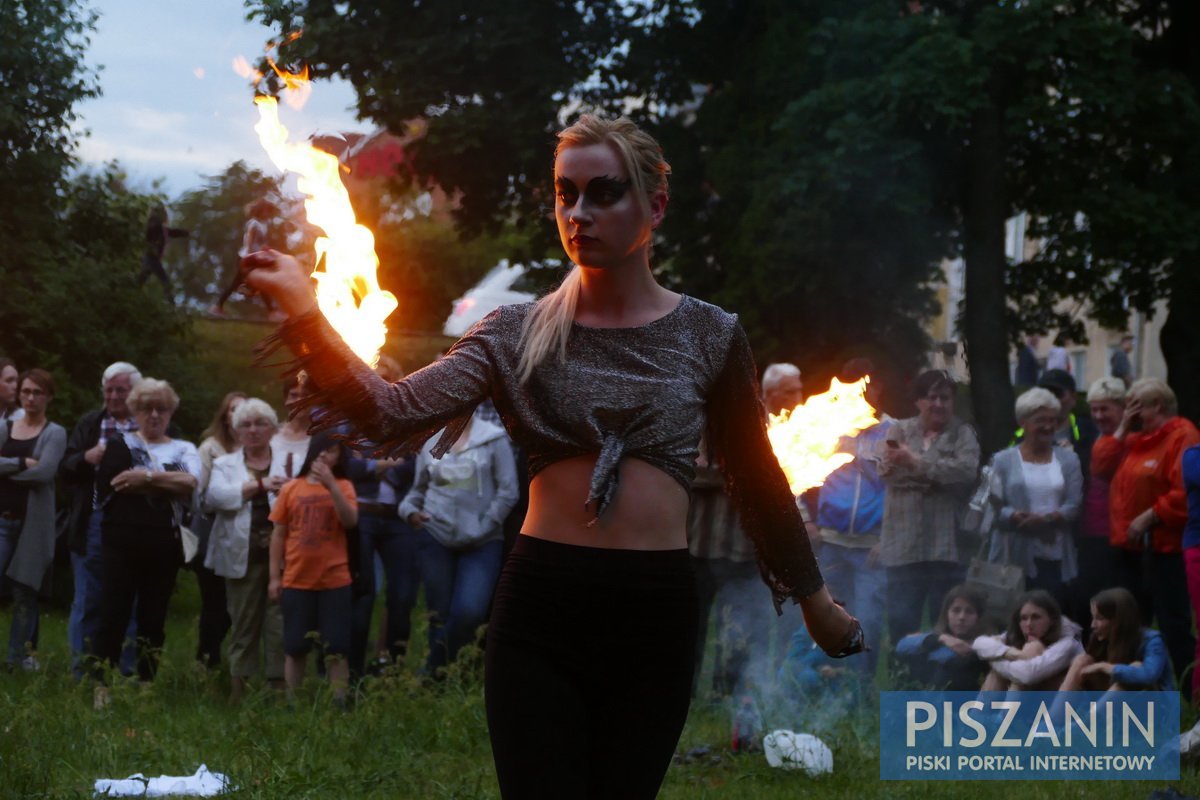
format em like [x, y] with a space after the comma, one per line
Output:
[1148, 507]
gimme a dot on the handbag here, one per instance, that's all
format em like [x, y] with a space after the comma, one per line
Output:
[1001, 583]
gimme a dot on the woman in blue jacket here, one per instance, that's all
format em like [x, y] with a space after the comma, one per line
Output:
[1121, 654]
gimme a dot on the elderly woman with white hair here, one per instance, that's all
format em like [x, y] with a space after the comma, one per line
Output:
[1038, 487]
[1148, 510]
[143, 481]
[241, 491]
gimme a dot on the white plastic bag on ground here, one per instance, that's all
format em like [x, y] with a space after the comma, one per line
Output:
[791, 750]
[202, 784]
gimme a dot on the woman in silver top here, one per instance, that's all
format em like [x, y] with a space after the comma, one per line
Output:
[606, 383]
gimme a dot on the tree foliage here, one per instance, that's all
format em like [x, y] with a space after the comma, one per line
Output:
[763, 219]
[71, 243]
[214, 215]
[827, 155]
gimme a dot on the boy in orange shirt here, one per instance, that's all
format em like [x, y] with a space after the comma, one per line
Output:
[310, 566]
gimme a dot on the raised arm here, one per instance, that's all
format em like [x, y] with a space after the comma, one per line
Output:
[401, 416]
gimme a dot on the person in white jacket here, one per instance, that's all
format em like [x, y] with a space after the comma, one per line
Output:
[458, 504]
[1037, 649]
[241, 491]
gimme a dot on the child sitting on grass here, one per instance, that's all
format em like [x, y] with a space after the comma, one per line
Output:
[1036, 651]
[310, 572]
[943, 659]
[1121, 654]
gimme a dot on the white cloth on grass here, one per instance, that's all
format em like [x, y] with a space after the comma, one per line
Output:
[202, 784]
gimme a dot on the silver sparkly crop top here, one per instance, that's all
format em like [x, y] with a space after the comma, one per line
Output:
[646, 392]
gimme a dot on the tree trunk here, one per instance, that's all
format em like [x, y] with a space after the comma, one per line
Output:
[985, 326]
[1180, 338]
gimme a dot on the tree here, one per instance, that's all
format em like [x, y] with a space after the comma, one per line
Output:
[1038, 107]
[72, 306]
[214, 216]
[494, 83]
[42, 78]
[71, 244]
[823, 172]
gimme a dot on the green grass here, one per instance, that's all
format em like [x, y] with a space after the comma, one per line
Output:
[402, 740]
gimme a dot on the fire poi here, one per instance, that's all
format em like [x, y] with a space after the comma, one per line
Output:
[348, 292]
[806, 439]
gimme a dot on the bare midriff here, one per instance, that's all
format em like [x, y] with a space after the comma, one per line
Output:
[649, 511]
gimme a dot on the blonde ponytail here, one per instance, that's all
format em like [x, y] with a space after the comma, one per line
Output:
[548, 325]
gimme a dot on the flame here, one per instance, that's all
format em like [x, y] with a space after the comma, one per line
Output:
[297, 87]
[806, 439]
[348, 293]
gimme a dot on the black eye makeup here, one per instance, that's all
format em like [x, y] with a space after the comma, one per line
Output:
[606, 190]
[565, 191]
[601, 191]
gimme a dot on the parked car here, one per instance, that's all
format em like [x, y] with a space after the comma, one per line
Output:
[504, 285]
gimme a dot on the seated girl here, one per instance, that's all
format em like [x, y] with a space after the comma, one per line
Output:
[1121, 654]
[943, 659]
[1036, 651]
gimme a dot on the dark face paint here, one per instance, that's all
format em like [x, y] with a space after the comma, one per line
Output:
[601, 191]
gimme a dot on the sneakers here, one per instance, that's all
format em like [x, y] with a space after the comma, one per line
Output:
[100, 698]
[30, 664]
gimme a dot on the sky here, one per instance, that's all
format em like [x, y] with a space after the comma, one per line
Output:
[172, 107]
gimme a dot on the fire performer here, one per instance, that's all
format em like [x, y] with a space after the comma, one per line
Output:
[607, 383]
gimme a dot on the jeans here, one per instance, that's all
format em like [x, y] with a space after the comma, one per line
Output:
[83, 624]
[862, 589]
[911, 588]
[25, 598]
[394, 543]
[458, 592]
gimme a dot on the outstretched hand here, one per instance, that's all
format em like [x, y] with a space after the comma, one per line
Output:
[834, 630]
[282, 278]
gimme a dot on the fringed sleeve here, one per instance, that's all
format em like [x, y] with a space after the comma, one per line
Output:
[344, 393]
[756, 483]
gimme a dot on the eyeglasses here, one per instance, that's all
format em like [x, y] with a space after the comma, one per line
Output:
[155, 409]
[254, 423]
[33, 392]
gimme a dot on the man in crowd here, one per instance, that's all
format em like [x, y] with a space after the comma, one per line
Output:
[1027, 363]
[1078, 431]
[782, 387]
[929, 464]
[1119, 364]
[850, 516]
[85, 447]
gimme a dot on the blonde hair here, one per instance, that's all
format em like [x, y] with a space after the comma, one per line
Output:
[548, 325]
[1033, 401]
[1112, 389]
[1155, 390]
[149, 390]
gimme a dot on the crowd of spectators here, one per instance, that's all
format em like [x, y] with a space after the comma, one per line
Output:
[291, 538]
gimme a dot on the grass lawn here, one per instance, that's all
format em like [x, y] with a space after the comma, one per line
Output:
[402, 740]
